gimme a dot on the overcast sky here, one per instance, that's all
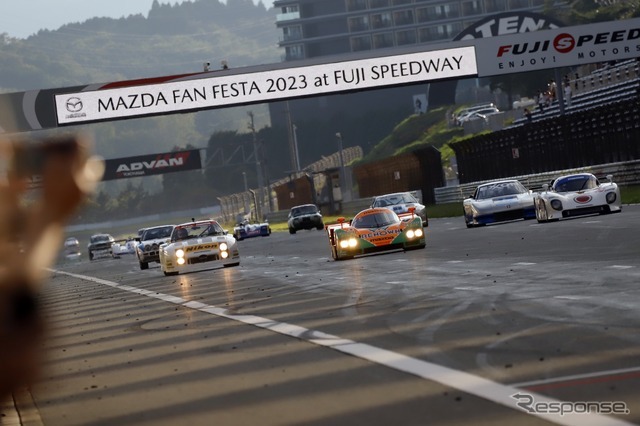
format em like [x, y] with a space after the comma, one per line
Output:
[22, 18]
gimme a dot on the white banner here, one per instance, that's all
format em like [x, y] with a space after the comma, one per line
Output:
[562, 47]
[79, 107]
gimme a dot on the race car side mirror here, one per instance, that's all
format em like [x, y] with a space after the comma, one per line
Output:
[545, 187]
[341, 221]
[412, 210]
[610, 178]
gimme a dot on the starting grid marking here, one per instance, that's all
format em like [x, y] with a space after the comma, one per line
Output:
[465, 382]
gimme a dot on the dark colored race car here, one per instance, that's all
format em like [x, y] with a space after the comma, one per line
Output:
[100, 245]
[306, 216]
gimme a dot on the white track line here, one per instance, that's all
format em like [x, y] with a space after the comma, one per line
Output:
[465, 382]
[560, 379]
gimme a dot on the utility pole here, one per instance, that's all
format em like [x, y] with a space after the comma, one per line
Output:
[342, 172]
[293, 151]
[256, 154]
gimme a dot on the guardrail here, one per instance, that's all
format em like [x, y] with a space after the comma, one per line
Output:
[625, 173]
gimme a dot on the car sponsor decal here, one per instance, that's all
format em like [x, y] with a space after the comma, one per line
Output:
[582, 199]
[381, 233]
[200, 247]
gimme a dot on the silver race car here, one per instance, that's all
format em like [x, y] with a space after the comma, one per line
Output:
[400, 202]
[578, 194]
[497, 202]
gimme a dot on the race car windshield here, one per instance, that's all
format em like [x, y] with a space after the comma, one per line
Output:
[299, 211]
[575, 183]
[155, 233]
[375, 220]
[198, 230]
[500, 190]
[211, 230]
[395, 199]
[99, 238]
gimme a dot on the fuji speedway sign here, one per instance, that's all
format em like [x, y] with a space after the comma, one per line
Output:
[562, 47]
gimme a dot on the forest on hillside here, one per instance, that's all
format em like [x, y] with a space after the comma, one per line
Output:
[176, 39]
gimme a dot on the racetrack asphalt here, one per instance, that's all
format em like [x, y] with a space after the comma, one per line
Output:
[434, 336]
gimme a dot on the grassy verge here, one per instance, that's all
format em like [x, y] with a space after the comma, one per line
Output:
[630, 194]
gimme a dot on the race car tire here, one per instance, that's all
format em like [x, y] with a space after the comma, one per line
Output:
[334, 256]
[320, 227]
[144, 265]
[229, 265]
[292, 230]
[541, 213]
[90, 255]
[168, 274]
[238, 237]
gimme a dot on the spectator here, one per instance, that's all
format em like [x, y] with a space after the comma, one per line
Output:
[541, 101]
[567, 94]
[527, 113]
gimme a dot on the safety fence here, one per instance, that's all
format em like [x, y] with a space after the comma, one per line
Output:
[600, 135]
[257, 204]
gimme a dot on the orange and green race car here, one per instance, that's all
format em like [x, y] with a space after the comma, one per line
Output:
[374, 230]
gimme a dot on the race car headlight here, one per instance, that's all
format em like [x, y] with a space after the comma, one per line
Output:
[556, 204]
[224, 247]
[411, 233]
[611, 197]
[348, 243]
[418, 233]
[224, 254]
[179, 253]
[180, 261]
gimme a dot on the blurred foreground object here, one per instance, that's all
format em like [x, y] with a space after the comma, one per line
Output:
[44, 182]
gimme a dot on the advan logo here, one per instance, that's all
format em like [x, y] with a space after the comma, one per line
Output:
[141, 168]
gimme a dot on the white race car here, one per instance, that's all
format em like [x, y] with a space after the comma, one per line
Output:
[149, 248]
[196, 246]
[497, 202]
[400, 202]
[574, 195]
[121, 247]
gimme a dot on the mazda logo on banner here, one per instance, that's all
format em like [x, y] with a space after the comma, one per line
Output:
[152, 164]
[74, 104]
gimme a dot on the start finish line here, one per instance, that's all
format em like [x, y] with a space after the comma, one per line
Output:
[482, 57]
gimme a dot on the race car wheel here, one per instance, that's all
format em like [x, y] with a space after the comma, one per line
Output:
[320, 227]
[144, 265]
[168, 274]
[292, 230]
[238, 237]
[229, 265]
[90, 255]
[334, 253]
[541, 212]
